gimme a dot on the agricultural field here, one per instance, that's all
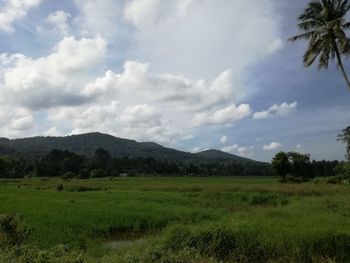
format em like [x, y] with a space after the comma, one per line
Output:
[175, 220]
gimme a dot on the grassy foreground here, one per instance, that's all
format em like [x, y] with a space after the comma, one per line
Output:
[178, 220]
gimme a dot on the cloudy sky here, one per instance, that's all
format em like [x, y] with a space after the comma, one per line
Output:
[189, 74]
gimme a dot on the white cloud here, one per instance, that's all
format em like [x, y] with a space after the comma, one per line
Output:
[60, 20]
[141, 115]
[141, 13]
[98, 17]
[223, 140]
[144, 14]
[230, 148]
[244, 151]
[272, 146]
[141, 122]
[227, 115]
[53, 131]
[188, 137]
[299, 146]
[275, 45]
[16, 121]
[52, 80]
[136, 83]
[229, 35]
[277, 111]
[196, 150]
[14, 10]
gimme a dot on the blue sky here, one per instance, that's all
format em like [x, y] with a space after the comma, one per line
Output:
[189, 74]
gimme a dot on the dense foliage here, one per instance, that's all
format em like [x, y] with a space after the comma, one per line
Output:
[69, 165]
[86, 144]
[345, 138]
[293, 166]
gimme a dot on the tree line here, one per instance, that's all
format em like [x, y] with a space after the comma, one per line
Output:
[66, 164]
[58, 163]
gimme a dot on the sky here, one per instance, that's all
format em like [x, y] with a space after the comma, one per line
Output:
[188, 74]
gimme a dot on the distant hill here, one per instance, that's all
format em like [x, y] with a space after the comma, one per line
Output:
[87, 144]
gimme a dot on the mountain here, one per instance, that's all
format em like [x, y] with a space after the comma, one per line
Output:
[87, 144]
[219, 155]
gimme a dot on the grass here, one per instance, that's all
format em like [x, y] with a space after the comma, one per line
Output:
[182, 219]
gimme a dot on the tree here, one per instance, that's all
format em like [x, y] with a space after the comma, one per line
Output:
[323, 24]
[101, 157]
[281, 164]
[5, 167]
[293, 166]
[345, 138]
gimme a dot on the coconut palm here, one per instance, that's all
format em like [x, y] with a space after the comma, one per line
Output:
[323, 24]
[345, 137]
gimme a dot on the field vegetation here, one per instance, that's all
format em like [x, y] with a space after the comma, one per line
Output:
[173, 220]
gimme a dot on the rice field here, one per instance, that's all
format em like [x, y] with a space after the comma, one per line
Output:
[178, 220]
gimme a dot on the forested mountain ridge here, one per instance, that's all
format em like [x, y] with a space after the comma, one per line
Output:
[87, 144]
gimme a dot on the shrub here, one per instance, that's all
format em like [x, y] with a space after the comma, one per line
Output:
[68, 175]
[343, 174]
[97, 173]
[12, 232]
[84, 174]
[60, 187]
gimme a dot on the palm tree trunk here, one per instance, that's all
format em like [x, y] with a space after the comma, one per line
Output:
[341, 66]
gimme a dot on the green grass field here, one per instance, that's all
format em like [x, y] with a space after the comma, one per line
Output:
[179, 220]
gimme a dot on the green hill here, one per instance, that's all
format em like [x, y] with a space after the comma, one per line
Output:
[87, 144]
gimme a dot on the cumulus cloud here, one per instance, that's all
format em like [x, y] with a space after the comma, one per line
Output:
[176, 92]
[53, 80]
[141, 13]
[144, 14]
[195, 149]
[272, 146]
[13, 10]
[223, 139]
[151, 106]
[98, 17]
[277, 111]
[141, 122]
[244, 151]
[60, 21]
[227, 115]
[254, 26]
[16, 121]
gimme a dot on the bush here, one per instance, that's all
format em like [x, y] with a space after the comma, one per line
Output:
[83, 174]
[343, 174]
[68, 175]
[12, 232]
[97, 173]
[26, 254]
[60, 187]
[293, 179]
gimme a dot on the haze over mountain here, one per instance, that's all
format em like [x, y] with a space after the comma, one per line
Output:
[87, 144]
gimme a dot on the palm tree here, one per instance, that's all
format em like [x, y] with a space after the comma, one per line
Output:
[323, 24]
[345, 137]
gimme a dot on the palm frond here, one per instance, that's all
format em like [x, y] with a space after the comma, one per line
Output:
[313, 51]
[310, 24]
[306, 36]
[324, 57]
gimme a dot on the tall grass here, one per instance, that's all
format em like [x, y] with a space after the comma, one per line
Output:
[234, 220]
